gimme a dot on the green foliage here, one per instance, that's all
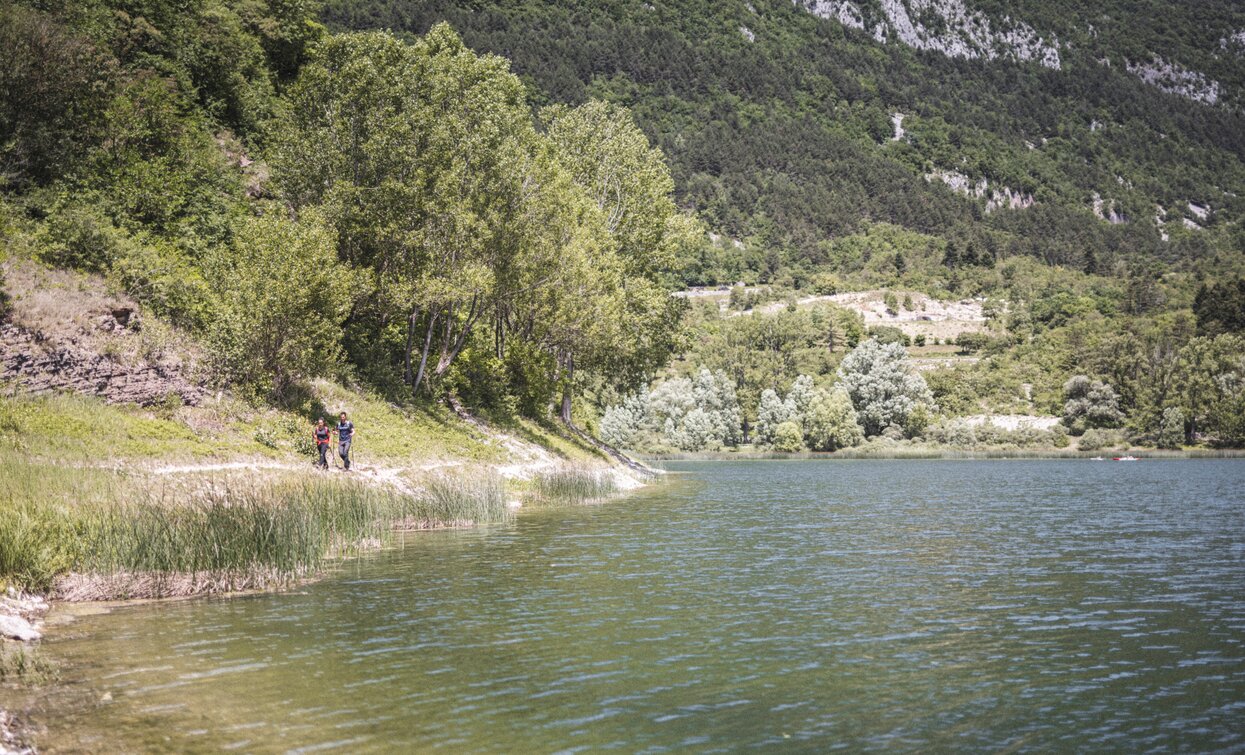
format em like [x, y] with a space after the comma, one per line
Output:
[1090, 404]
[830, 422]
[282, 297]
[1220, 308]
[574, 485]
[882, 386]
[96, 522]
[1096, 439]
[788, 437]
[1171, 429]
[785, 141]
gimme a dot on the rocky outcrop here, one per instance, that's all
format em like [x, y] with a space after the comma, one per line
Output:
[997, 197]
[40, 366]
[946, 26]
[1106, 210]
[1174, 78]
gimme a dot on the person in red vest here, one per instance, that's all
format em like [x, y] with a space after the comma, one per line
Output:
[322, 434]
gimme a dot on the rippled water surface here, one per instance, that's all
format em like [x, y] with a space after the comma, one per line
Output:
[804, 606]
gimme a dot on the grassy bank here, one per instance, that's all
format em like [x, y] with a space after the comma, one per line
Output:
[85, 534]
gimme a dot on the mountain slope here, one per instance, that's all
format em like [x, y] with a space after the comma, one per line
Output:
[788, 124]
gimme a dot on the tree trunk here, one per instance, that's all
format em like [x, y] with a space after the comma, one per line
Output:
[407, 376]
[566, 391]
[423, 359]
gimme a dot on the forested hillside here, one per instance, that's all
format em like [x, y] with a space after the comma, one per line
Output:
[1076, 170]
[1035, 206]
[780, 125]
[389, 212]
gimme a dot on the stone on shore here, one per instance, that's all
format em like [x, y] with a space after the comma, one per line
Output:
[17, 628]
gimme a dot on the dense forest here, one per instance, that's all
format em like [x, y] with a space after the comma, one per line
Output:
[353, 205]
[494, 202]
[1091, 199]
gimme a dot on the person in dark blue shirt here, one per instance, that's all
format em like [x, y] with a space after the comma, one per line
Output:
[345, 434]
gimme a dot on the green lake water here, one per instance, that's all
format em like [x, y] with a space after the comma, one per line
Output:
[794, 606]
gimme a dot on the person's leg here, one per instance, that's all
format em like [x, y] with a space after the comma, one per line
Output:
[344, 450]
[324, 459]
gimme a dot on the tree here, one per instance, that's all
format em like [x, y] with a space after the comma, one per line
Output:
[788, 437]
[624, 424]
[417, 153]
[771, 413]
[1090, 404]
[882, 387]
[830, 422]
[611, 160]
[281, 299]
[1171, 428]
[800, 396]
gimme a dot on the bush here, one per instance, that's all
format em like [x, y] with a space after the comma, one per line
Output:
[1095, 439]
[1090, 404]
[887, 334]
[971, 341]
[830, 422]
[788, 437]
[283, 297]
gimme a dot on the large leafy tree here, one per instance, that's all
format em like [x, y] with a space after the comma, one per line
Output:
[628, 180]
[883, 388]
[417, 154]
[281, 299]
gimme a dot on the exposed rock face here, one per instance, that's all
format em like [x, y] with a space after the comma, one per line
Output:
[1174, 78]
[897, 122]
[953, 29]
[1105, 210]
[996, 197]
[40, 367]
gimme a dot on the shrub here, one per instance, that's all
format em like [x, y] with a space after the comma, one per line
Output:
[788, 437]
[1095, 439]
[830, 422]
[283, 297]
[1171, 428]
[1090, 404]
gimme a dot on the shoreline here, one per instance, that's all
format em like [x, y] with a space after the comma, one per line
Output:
[24, 613]
[926, 454]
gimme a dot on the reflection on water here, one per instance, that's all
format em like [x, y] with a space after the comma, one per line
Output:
[810, 605]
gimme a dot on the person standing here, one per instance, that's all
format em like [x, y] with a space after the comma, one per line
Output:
[345, 434]
[322, 433]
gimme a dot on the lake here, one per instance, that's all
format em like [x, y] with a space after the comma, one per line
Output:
[794, 606]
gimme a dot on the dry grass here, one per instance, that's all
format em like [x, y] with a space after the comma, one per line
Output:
[64, 308]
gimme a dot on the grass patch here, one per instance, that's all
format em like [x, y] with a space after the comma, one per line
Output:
[456, 498]
[573, 484]
[97, 534]
[25, 666]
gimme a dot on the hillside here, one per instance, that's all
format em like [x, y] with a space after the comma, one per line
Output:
[493, 204]
[1097, 139]
[1075, 172]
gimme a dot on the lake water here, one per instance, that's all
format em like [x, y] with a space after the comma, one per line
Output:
[795, 606]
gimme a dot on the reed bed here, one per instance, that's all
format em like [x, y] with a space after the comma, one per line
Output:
[455, 499]
[573, 484]
[95, 534]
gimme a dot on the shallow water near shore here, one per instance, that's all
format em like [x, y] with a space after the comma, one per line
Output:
[803, 605]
